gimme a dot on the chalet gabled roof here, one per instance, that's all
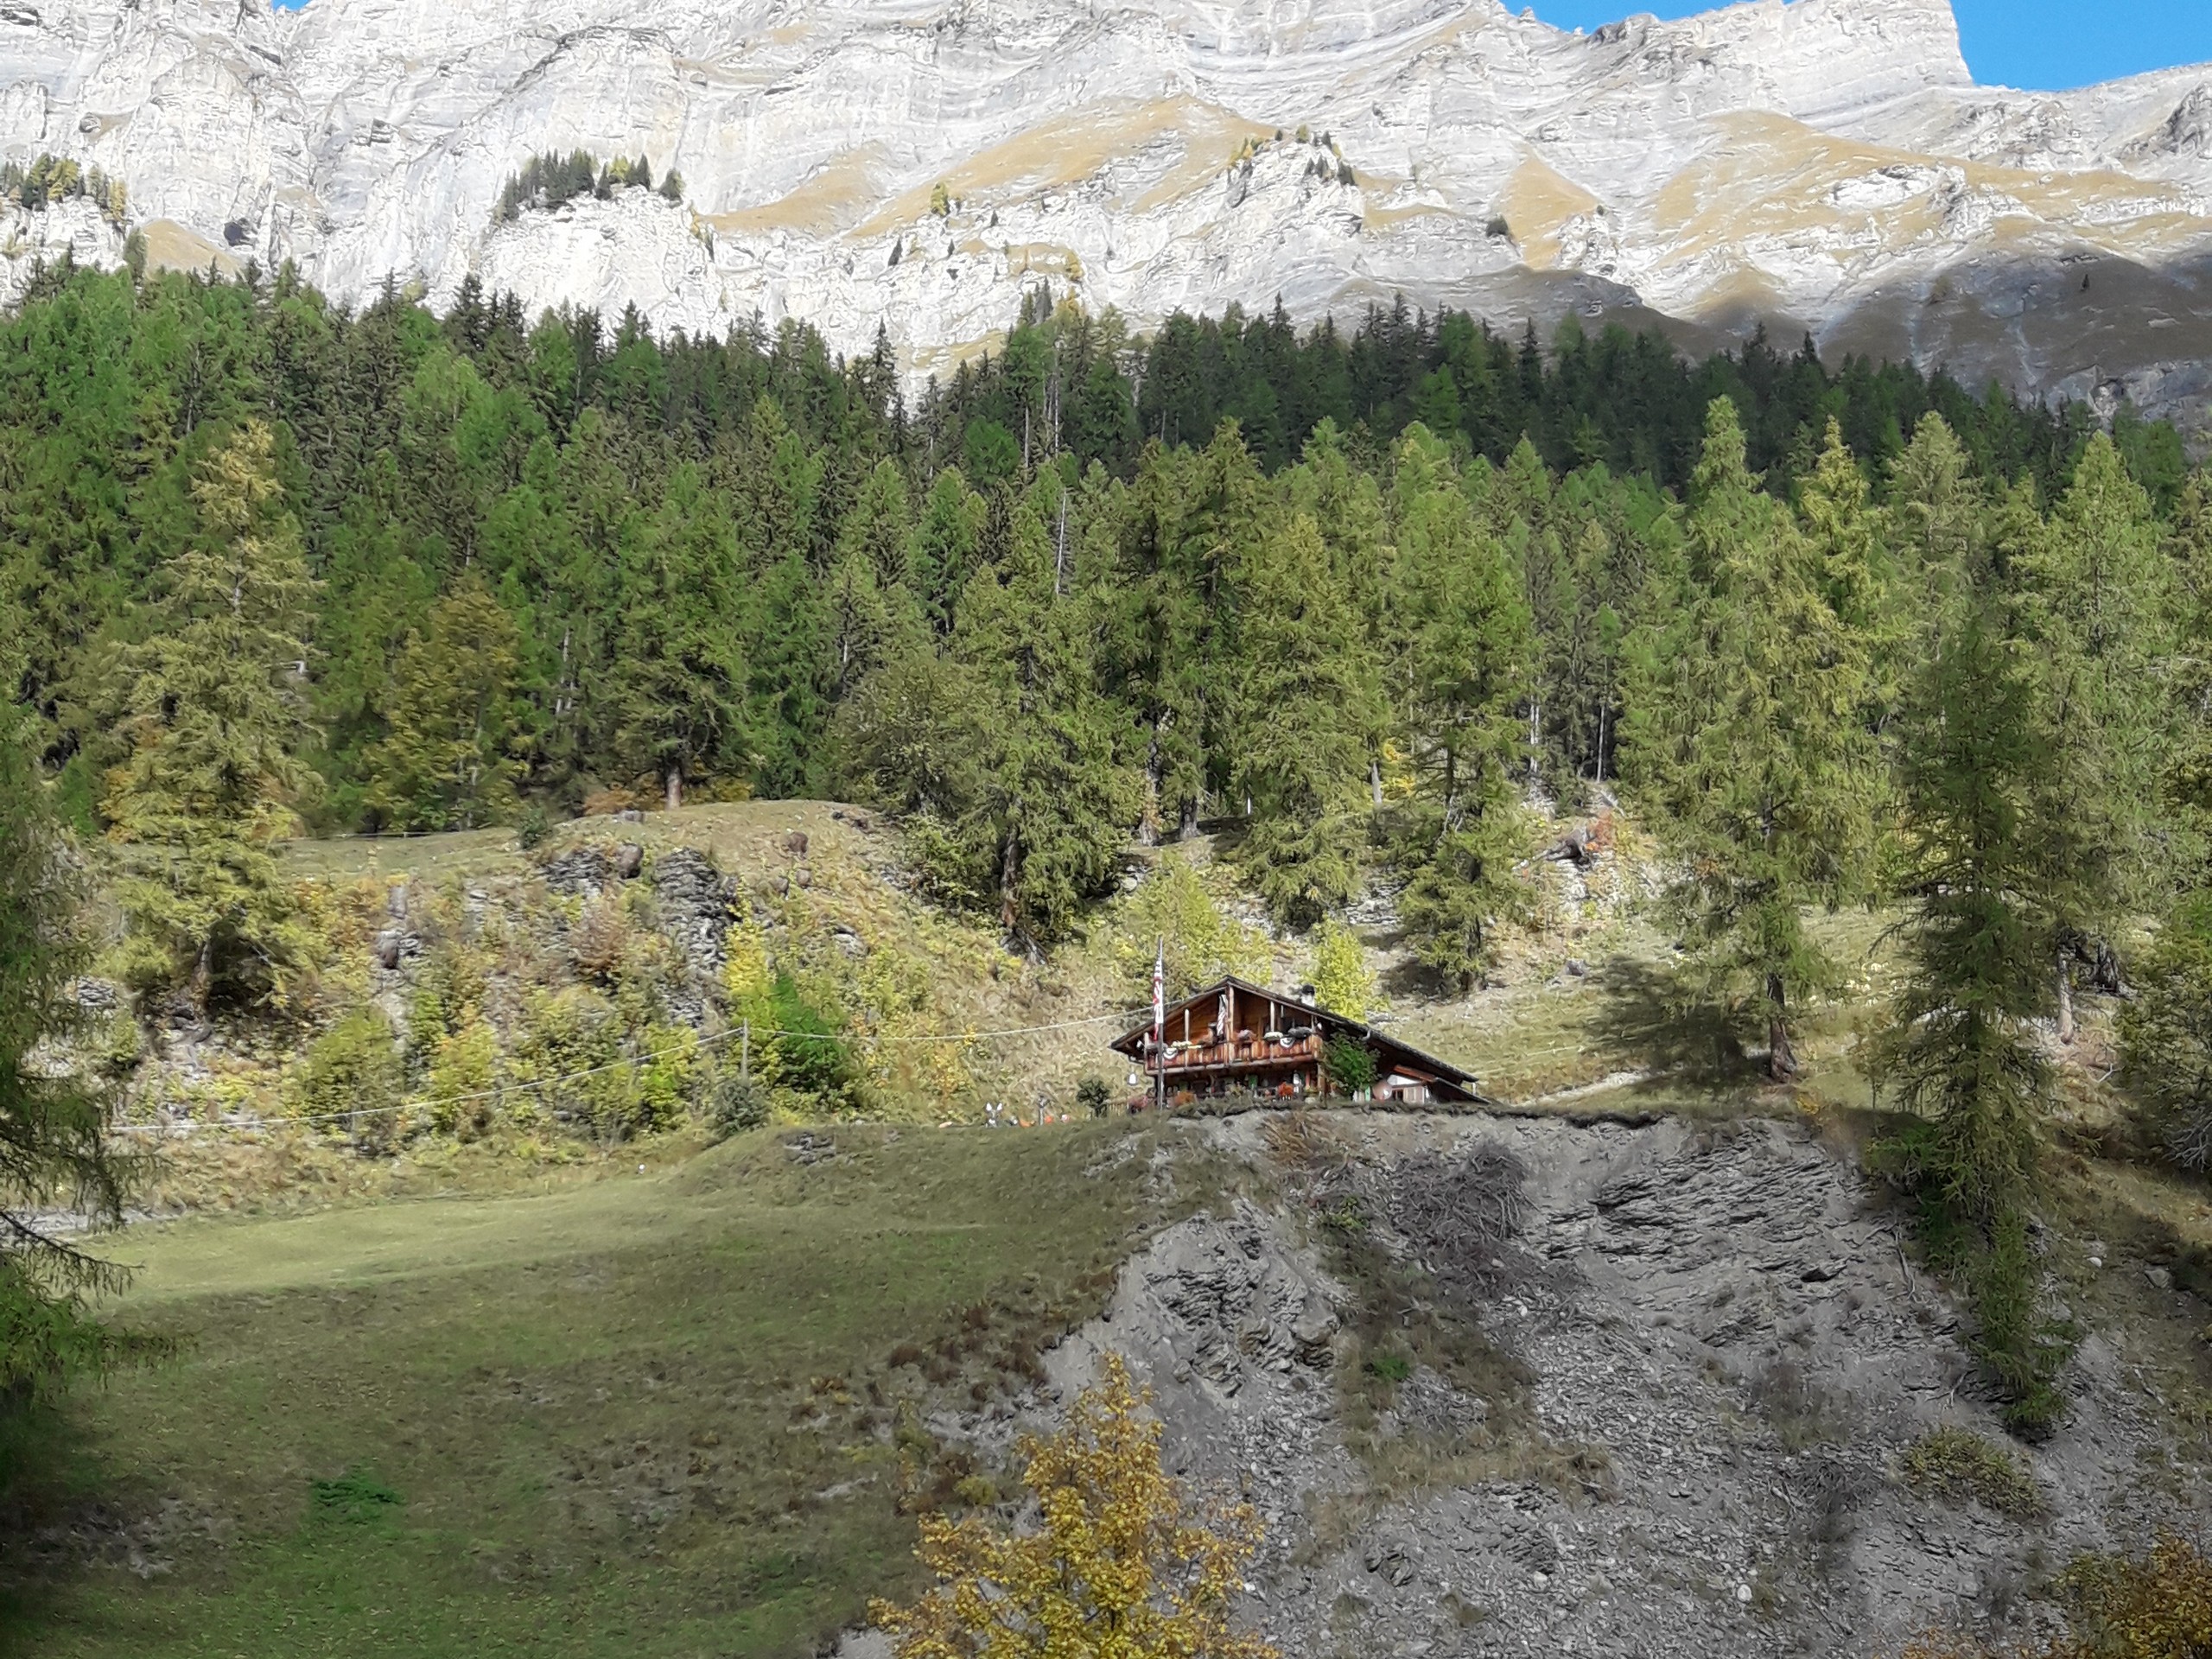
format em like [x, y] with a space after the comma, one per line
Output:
[1131, 1042]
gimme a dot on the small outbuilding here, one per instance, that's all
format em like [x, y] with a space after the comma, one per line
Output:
[1237, 1037]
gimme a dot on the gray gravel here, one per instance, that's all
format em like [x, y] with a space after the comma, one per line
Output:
[1731, 1318]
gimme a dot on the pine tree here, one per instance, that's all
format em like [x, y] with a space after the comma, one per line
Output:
[1762, 764]
[1458, 683]
[446, 761]
[213, 714]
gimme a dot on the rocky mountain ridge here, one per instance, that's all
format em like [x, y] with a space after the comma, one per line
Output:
[1828, 163]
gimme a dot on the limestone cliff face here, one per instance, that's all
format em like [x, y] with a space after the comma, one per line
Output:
[1828, 163]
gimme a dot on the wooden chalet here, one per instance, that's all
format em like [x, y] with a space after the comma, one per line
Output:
[1237, 1037]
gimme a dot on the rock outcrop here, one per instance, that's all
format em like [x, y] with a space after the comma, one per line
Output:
[1718, 1357]
[1828, 163]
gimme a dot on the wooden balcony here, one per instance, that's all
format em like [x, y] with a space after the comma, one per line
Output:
[1240, 1053]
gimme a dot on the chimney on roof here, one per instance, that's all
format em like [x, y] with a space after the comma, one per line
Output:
[1306, 994]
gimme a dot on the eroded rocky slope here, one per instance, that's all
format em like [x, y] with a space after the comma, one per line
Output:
[1692, 1366]
[1829, 162]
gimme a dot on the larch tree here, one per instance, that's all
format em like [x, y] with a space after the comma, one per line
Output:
[213, 712]
[1762, 768]
[1984, 884]
[1055, 800]
[1343, 983]
[2094, 597]
[1156, 646]
[448, 760]
[1347, 506]
[941, 552]
[1457, 683]
[678, 684]
[1124, 1562]
[2188, 766]
[1305, 694]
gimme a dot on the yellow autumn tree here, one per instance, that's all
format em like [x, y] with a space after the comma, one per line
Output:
[1122, 1563]
[1342, 982]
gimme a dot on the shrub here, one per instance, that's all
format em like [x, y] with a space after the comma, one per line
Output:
[1094, 1096]
[462, 1073]
[667, 1076]
[597, 941]
[355, 1496]
[571, 1033]
[1958, 1465]
[2155, 1606]
[118, 1046]
[1352, 1068]
[809, 1055]
[533, 827]
[1393, 1369]
[736, 1103]
[352, 1071]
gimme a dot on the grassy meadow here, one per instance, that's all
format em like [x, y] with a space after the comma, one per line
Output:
[634, 1414]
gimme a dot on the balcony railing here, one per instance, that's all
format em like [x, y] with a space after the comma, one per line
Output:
[1239, 1051]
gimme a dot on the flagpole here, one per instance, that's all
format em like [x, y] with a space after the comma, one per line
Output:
[1159, 1026]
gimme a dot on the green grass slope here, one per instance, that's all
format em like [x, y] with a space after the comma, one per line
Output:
[644, 1414]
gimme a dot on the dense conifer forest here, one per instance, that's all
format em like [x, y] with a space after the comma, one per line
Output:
[1369, 599]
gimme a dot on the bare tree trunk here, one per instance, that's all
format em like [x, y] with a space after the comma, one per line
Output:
[2065, 996]
[2106, 974]
[675, 787]
[1375, 779]
[1061, 550]
[203, 976]
[1148, 825]
[1781, 1058]
[1009, 864]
